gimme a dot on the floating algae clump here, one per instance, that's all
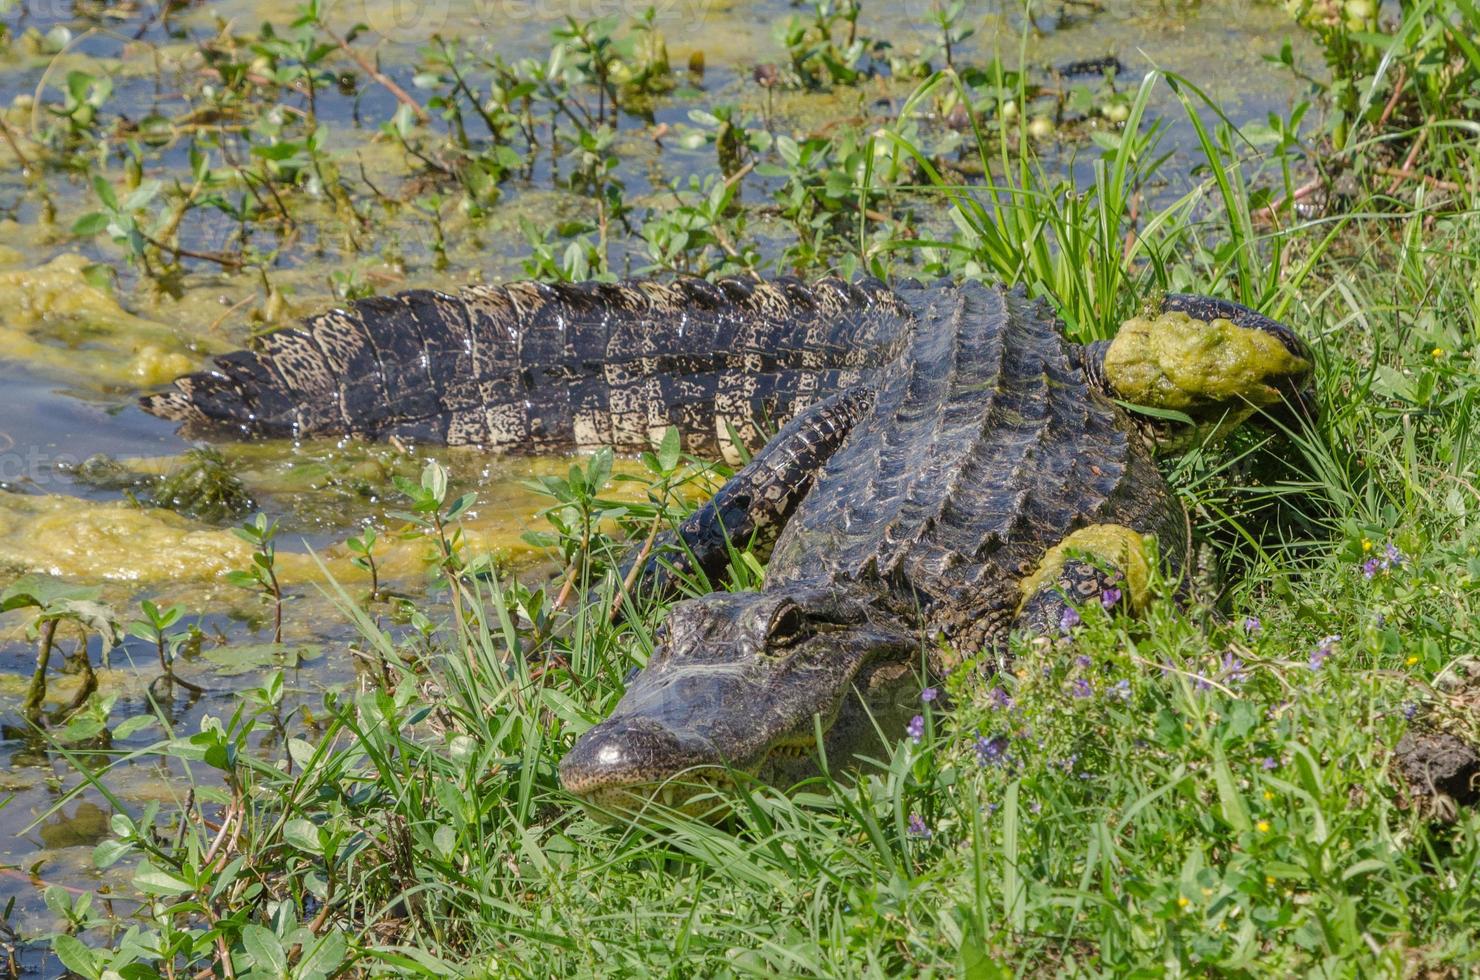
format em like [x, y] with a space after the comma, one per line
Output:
[74, 539]
[50, 314]
[199, 484]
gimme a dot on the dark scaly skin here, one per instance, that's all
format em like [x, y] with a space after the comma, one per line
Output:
[986, 447]
[989, 440]
[937, 442]
[753, 505]
[534, 368]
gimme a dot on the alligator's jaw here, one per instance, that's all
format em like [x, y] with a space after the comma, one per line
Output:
[699, 794]
[880, 703]
[626, 765]
[738, 691]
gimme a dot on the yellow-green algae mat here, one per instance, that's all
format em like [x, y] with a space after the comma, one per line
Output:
[54, 320]
[54, 317]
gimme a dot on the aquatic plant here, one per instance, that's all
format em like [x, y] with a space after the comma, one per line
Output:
[362, 547]
[204, 486]
[154, 628]
[51, 604]
[261, 533]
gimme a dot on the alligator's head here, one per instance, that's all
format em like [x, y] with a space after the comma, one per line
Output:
[734, 684]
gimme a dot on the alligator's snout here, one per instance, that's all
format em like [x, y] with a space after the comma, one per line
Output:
[623, 761]
[740, 683]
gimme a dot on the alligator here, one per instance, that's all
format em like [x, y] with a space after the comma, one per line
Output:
[947, 470]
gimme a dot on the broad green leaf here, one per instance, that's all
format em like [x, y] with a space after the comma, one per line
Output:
[434, 481]
[669, 450]
[302, 834]
[137, 723]
[1230, 801]
[324, 957]
[265, 950]
[90, 224]
[43, 591]
[153, 880]
[76, 956]
[110, 852]
[104, 190]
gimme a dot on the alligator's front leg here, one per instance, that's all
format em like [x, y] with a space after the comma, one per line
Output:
[754, 504]
[1104, 563]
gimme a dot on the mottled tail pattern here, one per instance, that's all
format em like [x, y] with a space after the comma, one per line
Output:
[530, 367]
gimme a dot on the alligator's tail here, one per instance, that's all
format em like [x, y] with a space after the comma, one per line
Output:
[531, 367]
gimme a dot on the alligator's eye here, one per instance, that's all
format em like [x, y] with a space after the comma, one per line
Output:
[788, 625]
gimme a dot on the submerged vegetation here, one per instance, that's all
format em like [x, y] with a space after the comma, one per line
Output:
[1205, 789]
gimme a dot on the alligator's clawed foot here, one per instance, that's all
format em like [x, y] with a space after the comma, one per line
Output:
[1102, 563]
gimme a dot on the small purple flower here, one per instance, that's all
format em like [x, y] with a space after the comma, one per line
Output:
[1069, 619]
[1119, 691]
[999, 698]
[1409, 710]
[1391, 558]
[991, 751]
[1084, 661]
[1323, 650]
[1252, 626]
[917, 826]
[1233, 669]
[1201, 683]
[929, 694]
[1269, 763]
[916, 728]
[1035, 807]
[1082, 688]
[1109, 597]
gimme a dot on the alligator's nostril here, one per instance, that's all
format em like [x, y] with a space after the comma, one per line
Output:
[621, 747]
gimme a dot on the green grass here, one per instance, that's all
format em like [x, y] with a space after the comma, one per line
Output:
[1205, 790]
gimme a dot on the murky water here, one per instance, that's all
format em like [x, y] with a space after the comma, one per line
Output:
[74, 354]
